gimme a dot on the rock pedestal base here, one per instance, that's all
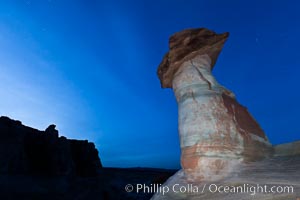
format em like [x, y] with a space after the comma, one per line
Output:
[276, 178]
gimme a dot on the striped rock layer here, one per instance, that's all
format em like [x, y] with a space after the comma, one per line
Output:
[216, 133]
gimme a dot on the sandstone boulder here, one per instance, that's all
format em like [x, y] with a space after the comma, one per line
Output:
[216, 132]
[221, 142]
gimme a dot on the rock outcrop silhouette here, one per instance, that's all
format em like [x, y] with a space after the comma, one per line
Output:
[25, 150]
[41, 165]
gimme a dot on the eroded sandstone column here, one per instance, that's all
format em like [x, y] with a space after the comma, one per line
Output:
[216, 132]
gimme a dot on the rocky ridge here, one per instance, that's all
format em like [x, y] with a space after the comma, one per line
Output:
[25, 150]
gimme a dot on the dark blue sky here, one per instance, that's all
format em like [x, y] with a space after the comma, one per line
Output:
[90, 68]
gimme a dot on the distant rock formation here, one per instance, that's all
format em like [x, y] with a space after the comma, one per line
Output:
[24, 150]
[220, 141]
[288, 149]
